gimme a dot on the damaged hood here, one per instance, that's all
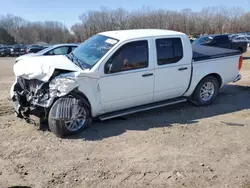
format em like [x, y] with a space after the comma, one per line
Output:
[42, 67]
[26, 56]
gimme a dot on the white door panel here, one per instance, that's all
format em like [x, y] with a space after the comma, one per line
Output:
[121, 91]
[171, 82]
[172, 68]
[128, 80]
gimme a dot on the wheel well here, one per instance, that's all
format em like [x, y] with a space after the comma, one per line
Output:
[240, 49]
[217, 76]
[73, 93]
[80, 95]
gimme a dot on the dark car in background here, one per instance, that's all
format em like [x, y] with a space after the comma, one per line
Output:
[18, 49]
[222, 41]
[9, 50]
[34, 49]
[6, 50]
[2, 51]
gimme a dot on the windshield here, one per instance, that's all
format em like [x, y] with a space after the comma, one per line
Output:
[93, 49]
[203, 40]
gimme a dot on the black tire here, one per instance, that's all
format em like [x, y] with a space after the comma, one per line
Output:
[58, 125]
[196, 97]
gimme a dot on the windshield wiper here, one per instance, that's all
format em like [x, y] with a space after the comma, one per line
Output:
[69, 56]
[74, 59]
[82, 63]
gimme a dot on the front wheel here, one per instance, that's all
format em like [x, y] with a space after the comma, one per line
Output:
[69, 116]
[206, 91]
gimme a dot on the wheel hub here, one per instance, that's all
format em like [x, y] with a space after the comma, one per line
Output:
[77, 121]
[207, 91]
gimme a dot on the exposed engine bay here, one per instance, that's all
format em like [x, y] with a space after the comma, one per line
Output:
[35, 97]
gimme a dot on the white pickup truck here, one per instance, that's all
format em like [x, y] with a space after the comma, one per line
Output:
[117, 73]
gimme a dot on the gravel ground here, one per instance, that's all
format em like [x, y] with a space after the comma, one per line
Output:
[177, 146]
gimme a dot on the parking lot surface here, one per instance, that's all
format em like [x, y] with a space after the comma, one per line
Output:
[175, 146]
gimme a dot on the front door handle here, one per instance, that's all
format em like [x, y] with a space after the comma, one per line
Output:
[147, 74]
[182, 68]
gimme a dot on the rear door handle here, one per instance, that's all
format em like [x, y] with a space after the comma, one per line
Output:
[147, 74]
[182, 68]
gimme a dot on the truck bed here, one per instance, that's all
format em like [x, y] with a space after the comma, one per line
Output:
[201, 53]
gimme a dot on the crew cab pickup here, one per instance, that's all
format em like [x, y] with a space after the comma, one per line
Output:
[222, 41]
[116, 73]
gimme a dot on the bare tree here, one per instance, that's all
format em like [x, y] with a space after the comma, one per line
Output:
[209, 20]
[234, 19]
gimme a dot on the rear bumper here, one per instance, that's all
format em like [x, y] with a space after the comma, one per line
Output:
[238, 78]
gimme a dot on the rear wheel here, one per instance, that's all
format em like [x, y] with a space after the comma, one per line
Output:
[206, 91]
[69, 116]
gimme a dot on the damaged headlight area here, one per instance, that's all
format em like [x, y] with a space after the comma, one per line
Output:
[62, 85]
[35, 96]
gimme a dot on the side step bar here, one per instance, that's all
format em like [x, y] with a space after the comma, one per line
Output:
[141, 108]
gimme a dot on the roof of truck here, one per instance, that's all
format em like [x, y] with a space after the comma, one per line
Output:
[139, 33]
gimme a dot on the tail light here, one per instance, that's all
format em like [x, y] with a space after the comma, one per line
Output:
[240, 62]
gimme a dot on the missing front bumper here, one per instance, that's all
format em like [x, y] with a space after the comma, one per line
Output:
[24, 112]
[22, 92]
[35, 97]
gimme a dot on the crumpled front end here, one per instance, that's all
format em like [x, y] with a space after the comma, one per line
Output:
[35, 97]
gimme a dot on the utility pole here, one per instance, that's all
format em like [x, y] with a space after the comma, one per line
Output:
[64, 32]
[222, 29]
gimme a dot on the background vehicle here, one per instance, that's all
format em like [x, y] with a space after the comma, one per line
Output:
[34, 49]
[242, 39]
[222, 41]
[248, 40]
[232, 36]
[18, 49]
[2, 50]
[59, 49]
[6, 50]
[120, 72]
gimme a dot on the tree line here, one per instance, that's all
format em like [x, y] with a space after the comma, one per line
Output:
[209, 20]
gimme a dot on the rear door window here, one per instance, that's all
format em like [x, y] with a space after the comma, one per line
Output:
[221, 39]
[73, 47]
[169, 50]
[59, 51]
